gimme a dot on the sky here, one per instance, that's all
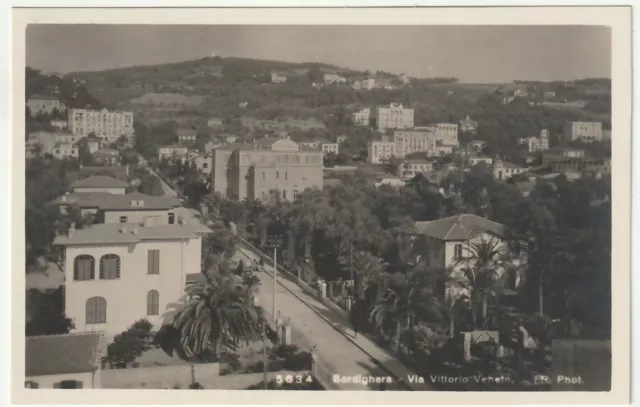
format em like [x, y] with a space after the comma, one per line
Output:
[474, 54]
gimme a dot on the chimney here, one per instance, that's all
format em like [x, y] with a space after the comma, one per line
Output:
[124, 229]
[135, 231]
[64, 198]
[72, 229]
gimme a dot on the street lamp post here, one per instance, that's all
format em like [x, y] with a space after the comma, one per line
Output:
[275, 242]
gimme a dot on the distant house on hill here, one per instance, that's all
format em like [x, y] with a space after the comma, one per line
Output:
[214, 122]
[187, 135]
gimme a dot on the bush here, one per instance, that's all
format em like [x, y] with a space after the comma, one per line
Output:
[128, 345]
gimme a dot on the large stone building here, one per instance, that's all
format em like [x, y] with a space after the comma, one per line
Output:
[446, 133]
[265, 168]
[103, 123]
[584, 131]
[378, 151]
[394, 116]
[417, 140]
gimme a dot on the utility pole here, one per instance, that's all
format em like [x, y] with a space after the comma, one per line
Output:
[274, 242]
[275, 277]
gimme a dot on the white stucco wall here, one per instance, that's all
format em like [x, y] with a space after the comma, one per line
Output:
[137, 216]
[115, 191]
[47, 382]
[126, 297]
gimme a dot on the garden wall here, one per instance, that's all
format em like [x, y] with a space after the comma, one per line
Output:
[160, 377]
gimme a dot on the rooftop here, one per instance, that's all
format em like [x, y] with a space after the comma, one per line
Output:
[107, 201]
[99, 181]
[63, 354]
[459, 227]
[126, 233]
[418, 161]
[506, 164]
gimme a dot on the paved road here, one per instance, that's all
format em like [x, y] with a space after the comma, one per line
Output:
[313, 323]
[329, 332]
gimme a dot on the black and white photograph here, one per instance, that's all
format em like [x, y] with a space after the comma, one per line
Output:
[259, 207]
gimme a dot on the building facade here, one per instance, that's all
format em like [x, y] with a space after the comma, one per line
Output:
[556, 154]
[446, 134]
[172, 152]
[504, 170]
[187, 135]
[365, 84]
[540, 143]
[450, 246]
[394, 116]
[107, 156]
[109, 125]
[585, 131]
[362, 117]
[414, 141]
[380, 150]
[412, 167]
[266, 168]
[118, 273]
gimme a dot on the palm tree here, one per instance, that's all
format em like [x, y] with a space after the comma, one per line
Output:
[483, 270]
[218, 315]
[406, 300]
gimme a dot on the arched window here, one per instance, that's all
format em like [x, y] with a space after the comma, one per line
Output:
[153, 303]
[109, 267]
[96, 310]
[83, 267]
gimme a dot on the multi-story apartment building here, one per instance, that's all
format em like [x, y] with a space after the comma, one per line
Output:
[266, 168]
[379, 151]
[584, 131]
[362, 117]
[412, 167]
[557, 154]
[44, 104]
[414, 141]
[394, 116]
[446, 133]
[103, 123]
[63, 150]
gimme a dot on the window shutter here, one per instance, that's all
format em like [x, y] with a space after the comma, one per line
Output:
[157, 261]
[91, 312]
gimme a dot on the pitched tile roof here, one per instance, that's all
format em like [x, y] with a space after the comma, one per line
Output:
[63, 354]
[124, 233]
[459, 227]
[107, 201]
[99, 181]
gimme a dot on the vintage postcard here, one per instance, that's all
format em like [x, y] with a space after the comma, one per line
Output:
[378, 206]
